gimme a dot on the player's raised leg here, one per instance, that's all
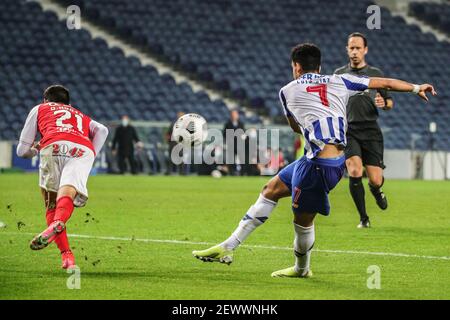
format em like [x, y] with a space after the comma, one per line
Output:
[376, 181]
[63, 211]
[312, 180]
[303, 244]
[68, 260]
[256, 215]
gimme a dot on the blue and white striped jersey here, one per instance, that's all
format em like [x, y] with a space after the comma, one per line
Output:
[318, 104]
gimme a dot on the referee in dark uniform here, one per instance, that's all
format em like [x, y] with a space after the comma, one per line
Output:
[364, 137]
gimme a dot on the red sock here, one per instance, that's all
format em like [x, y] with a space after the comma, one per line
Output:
[64, 209]
[61, 240]
[50, 216]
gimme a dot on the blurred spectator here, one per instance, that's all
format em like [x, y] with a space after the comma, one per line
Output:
[278, 160]
[141, 159]
[250, 167]
[170, 166]
[275, 164]
[123, 145]
[110, 159]
[234, 124]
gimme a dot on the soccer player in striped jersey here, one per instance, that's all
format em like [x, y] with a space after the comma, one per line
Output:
[315, 106]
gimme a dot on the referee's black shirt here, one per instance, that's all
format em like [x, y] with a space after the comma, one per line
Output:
[361, 108]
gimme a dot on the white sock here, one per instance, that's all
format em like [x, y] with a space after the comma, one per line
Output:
[303, 243]
[256, 215]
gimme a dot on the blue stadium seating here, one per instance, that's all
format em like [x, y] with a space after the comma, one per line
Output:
[38, 50]
[242, 47]
[435, 14]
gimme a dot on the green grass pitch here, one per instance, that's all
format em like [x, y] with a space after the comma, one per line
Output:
[202, 209]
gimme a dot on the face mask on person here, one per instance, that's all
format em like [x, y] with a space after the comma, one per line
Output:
[125, 122]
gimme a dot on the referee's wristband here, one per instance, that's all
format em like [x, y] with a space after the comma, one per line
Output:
[416, 89]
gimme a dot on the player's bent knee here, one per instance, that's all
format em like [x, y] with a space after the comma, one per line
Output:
[354, 167]
[274, 190]
[67, 191]
[376, 182]
[268, 191]
[355, 172]
[305, 220]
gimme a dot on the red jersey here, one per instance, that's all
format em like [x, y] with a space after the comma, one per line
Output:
[57, 121]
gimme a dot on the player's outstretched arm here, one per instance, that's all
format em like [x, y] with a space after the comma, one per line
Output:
[402, 86]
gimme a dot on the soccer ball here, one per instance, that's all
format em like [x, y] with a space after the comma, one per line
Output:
[190, 130]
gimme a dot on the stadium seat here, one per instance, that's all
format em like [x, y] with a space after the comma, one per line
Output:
[434, 14]
[102, 81]
[240, 47]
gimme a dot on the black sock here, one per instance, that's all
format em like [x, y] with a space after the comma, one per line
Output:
[357, 192]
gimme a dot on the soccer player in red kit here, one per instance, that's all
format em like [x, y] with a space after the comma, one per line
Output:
[69, 143]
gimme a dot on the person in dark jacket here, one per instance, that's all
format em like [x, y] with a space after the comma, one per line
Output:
[234, 124]
[123, 145]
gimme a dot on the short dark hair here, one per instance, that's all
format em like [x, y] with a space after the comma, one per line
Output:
[307, 55]
[358, 34]
[57, 93]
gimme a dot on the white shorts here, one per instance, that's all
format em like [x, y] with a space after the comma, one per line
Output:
[65, 163]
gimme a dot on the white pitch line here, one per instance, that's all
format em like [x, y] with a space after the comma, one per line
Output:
[387, 254]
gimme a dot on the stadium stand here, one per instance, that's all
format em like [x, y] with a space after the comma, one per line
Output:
[242, 47]
[434, 14]
[38, 50]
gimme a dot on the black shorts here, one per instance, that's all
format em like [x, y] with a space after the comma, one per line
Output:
[367, 144]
